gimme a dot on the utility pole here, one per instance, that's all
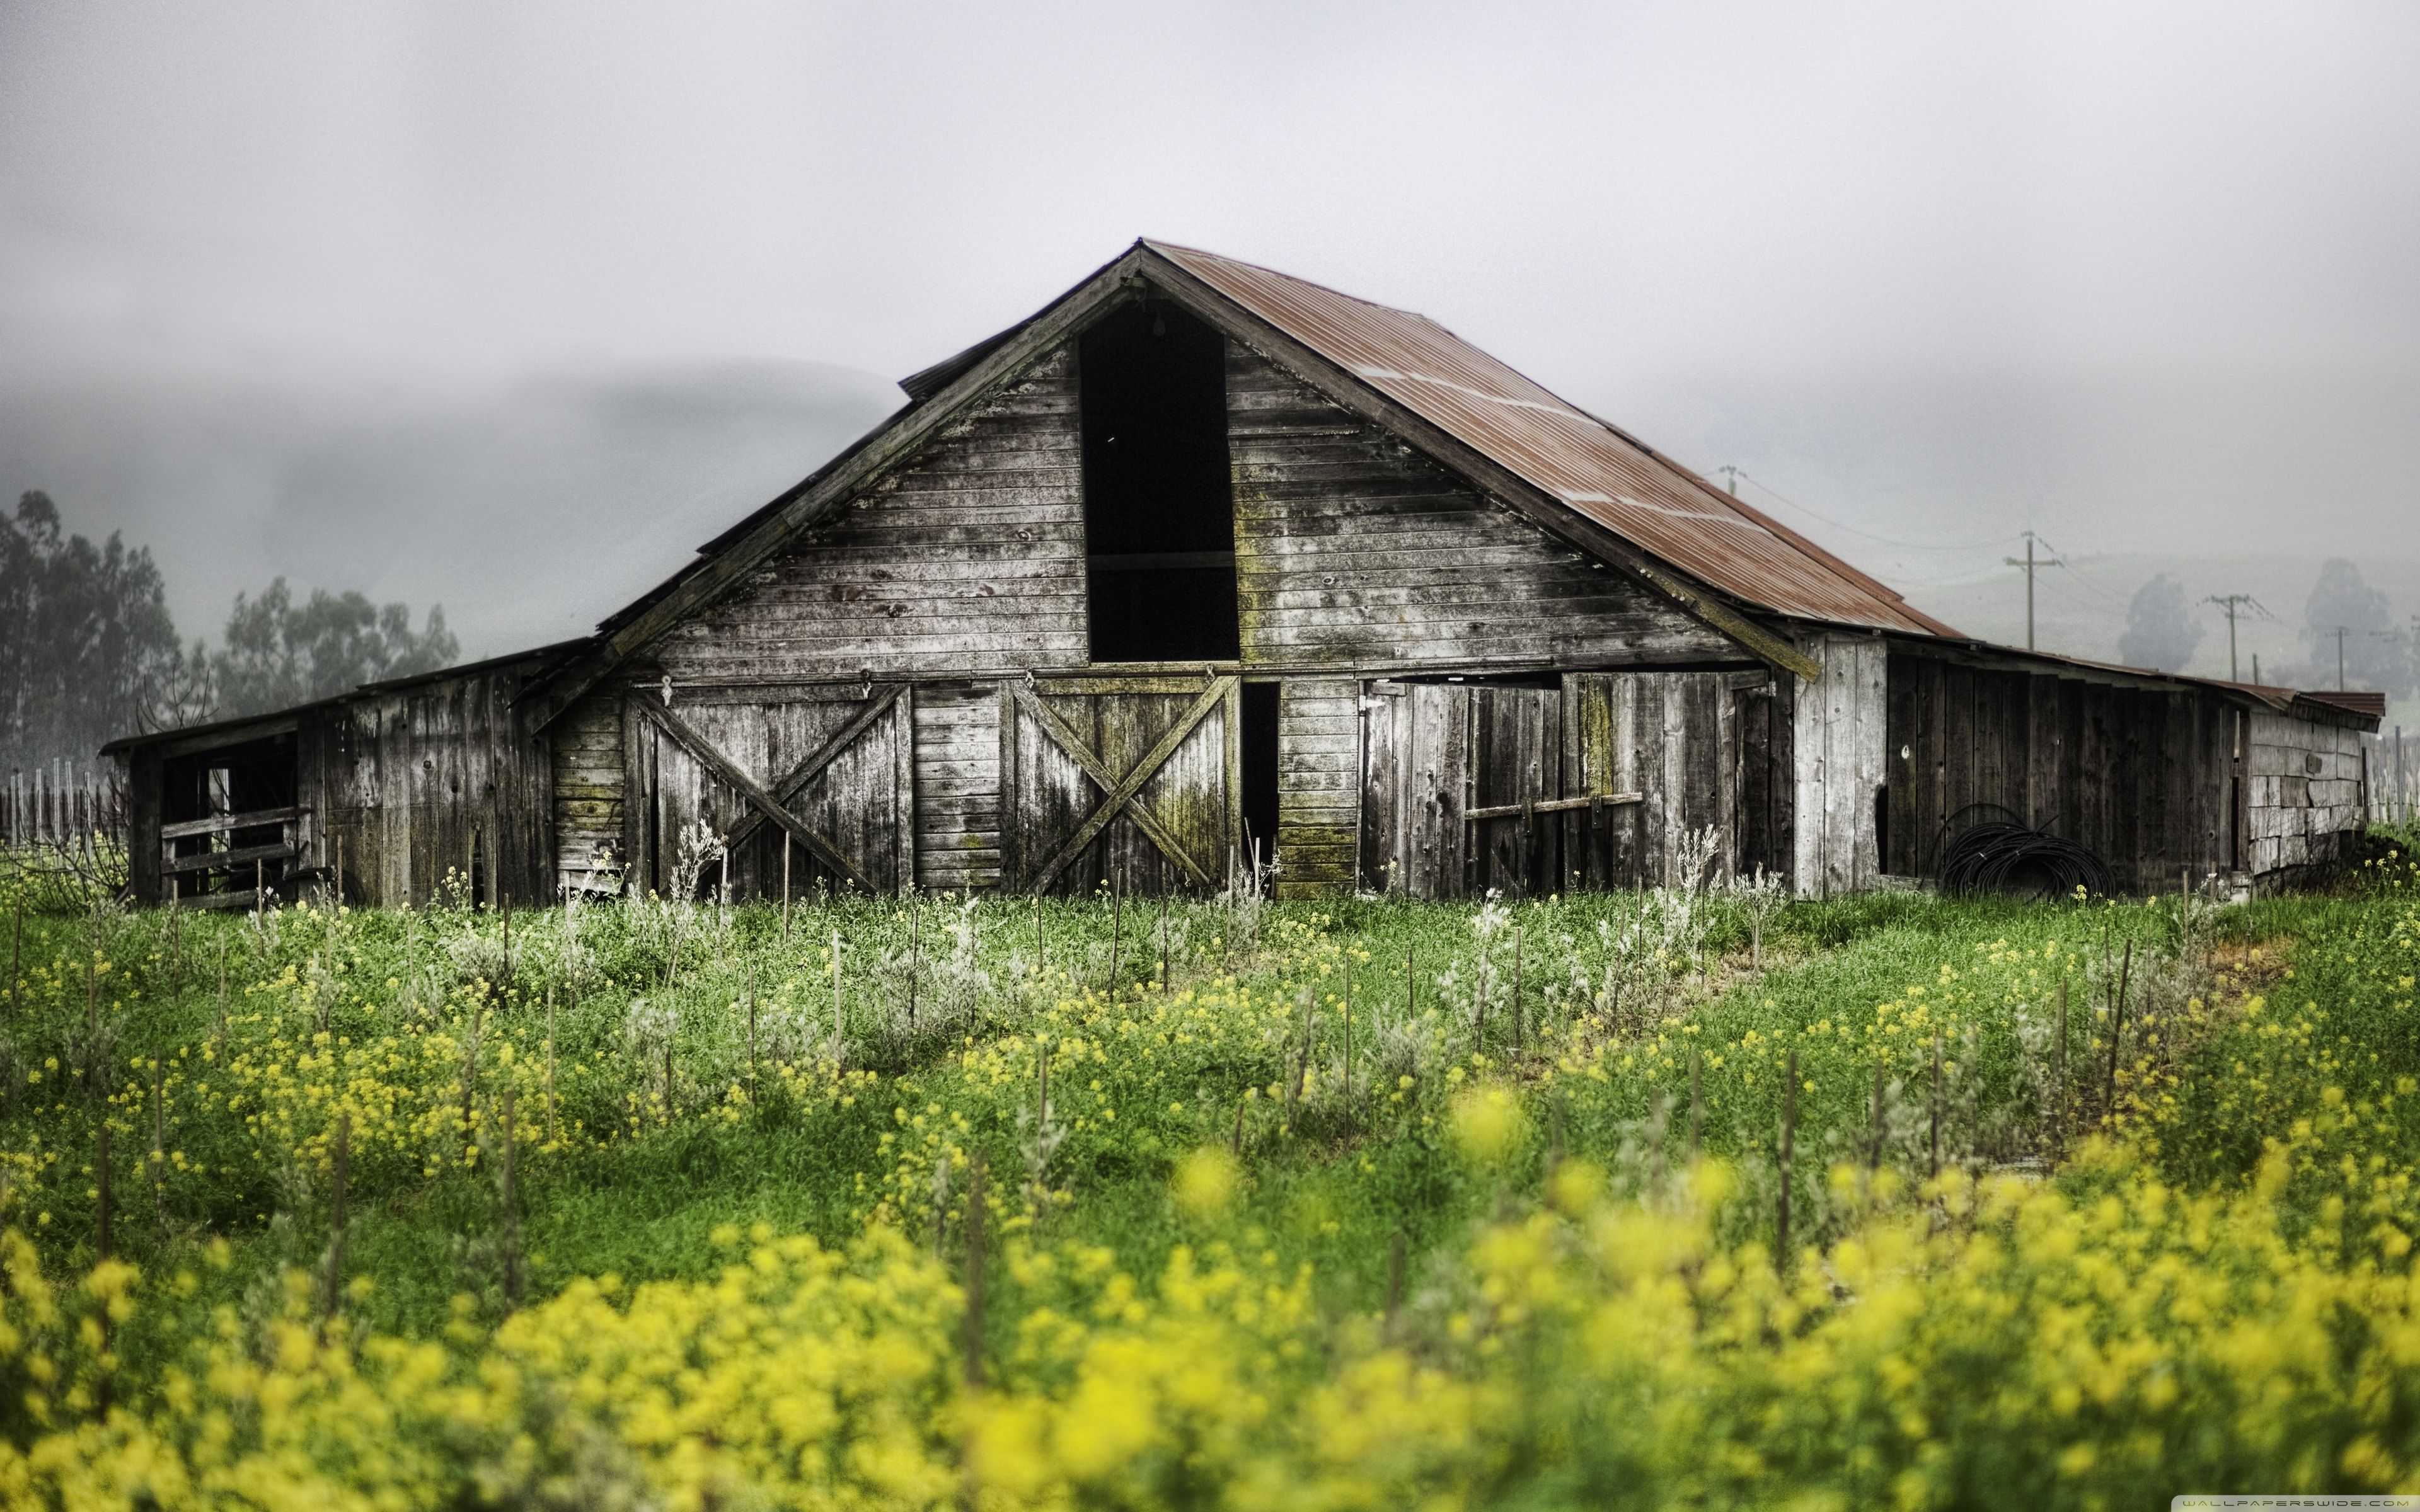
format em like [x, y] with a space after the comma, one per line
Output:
[1730, 478]
[2030, 564]
[2340, 633]
[2232, 605]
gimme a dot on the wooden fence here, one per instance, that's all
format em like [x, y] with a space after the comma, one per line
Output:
[63, 806]
[2394, 777]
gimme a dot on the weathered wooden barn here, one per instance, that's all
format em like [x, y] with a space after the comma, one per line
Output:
[1203, 564]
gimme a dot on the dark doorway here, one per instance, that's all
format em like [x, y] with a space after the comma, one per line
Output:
[203, 797]
[1260, 774]
[1159, 505]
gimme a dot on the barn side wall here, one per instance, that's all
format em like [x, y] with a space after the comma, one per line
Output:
[2304, 797]
[426, 780]
[2159, 781]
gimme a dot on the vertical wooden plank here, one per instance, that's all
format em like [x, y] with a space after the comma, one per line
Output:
[1806, 877]
[1900, 735]
[903, 770]
[1233, 738]
[1015, 867]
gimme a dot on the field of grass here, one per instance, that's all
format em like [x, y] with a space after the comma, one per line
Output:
[1352, 1204]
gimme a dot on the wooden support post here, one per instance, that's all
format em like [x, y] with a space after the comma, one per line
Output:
[1117, 925]
[509, 1201]
[1516, 990]
[159, 1143]
[100, 1234]
[785, 887]
[1348, 1043]
[1874, 1156]
[2118, 1034]
[835, 1039]
[339, 1177]
[1656, 1129]
[1788, 1142]
[974, 1282]
[1936, 1104]
[1697, 1103]
[2058, 1079]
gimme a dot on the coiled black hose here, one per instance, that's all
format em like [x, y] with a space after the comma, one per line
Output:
[2001, 855]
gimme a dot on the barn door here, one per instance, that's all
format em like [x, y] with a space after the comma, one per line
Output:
[1461, 784]
[1698, 749]
[828, 769]
[1131, 781]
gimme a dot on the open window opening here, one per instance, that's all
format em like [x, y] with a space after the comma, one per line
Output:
[228, 820]
[1259, 775]
[1160, 504]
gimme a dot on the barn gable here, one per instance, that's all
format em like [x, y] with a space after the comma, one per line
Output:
[966, 562]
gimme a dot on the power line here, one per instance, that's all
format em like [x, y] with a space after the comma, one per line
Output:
[2031, 566]
[1738, 476]
[2232, 605]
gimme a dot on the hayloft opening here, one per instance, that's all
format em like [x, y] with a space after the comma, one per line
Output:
[1159, 505]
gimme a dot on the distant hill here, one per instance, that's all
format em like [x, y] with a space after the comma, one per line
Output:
[530, 510]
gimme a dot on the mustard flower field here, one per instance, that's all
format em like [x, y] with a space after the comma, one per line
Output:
[1666, 1199]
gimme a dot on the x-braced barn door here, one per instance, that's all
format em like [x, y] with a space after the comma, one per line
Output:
[1461, 788]
[1129, 780]
[830, 769]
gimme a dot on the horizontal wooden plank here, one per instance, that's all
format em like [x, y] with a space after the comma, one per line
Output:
[187, 828]
[1514, 810]
[244, 856]
[224, 900]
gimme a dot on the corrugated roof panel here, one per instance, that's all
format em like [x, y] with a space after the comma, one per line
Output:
[1593, 469]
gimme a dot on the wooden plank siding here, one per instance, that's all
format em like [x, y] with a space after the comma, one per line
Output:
[957, 787]
[2145, 778]
[1702, 749]
[966, 560]
[1839, 726]
[1352, 549]
[863, 802]
[1319, 759]
[416, 783]
[2304, 796]
[586, 746]
[1119, 722]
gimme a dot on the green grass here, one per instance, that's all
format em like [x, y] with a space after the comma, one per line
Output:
[645, 1201]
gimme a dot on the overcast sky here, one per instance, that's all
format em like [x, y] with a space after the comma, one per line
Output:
[364, 293]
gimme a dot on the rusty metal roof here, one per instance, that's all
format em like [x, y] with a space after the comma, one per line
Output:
[1593, 467]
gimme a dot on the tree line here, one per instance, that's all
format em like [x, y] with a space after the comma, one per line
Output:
[88, 651]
